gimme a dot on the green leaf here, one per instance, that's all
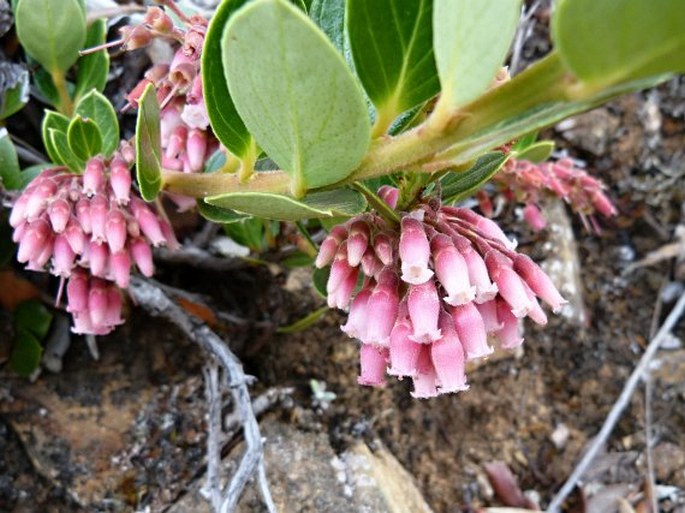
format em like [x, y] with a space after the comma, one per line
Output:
[525, 141]
[456, 186]
[15, 90]
[218, 214]
[537, 152]
[93, 67]
[304, 323]
[33, 317]
[340, 202]
[84, 138]
[53, 121]
[60, 143]
[224, 118]
[51, 32]
[148, 145]
[46, 87]
[320, 279]
[605, 42]
[392, 46]
[312, 119]
[329, 15]
[470, 40]
[26, 351]
[9, 163]
[98, 108]
[298, 259]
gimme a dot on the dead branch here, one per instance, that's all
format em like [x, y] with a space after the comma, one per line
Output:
[157, 303]
[618, 407]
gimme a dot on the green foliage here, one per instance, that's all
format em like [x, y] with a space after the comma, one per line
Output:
[218, 214]
[392, 45]
[471, 40]
[93, 67]
[329, 15]
[609, 42]
[312, 119]
[9, 163]
[97, 108]
[51, 32]
[53, 121]
[226, 122]
[320, 279]
[59, 141]
[32, 322]
[340, 202]
[536, 152]
[148, 145]
[84, 138]
[459, 185]
[15, 92]
[306, 322]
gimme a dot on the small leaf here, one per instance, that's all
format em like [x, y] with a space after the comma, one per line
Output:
[45, 86]
[298, 259]
[51, 32]
[392, 46]
[456, 186]
[525, 141]
[14, 88]
[9, 163]
[33, 317]
[26, 351]
[148, 145]
[60, 143]
[329, 15]
[312, 119]
[96, 107]
[224, 118]
[538, 152]
[341, 202]
[218, 214]
[304, 323]
[93, 67]
[470, 40]
[53, 121]
[606, 42]
[320, 280]
[84, 138]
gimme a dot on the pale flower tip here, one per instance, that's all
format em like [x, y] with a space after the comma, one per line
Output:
[486, 293]
[416, 275]
[427, 337]
[373, 362]
[461, 297]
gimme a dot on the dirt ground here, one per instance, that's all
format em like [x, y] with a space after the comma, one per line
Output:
[127, 432]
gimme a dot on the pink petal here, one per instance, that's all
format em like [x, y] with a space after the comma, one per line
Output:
[424, 309]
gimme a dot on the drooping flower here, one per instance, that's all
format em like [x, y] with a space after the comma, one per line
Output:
[438, 291]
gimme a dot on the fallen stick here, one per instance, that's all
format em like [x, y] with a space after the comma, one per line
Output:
[618, 407]
[157, 303]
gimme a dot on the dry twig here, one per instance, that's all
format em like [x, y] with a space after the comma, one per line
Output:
[618, 407]
[157, 303]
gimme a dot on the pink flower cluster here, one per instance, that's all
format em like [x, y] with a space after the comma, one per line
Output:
[526, 182]
[434, 291]
[187, 139]
[88, 229]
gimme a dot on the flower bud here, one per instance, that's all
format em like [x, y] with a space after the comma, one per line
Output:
[414, 252]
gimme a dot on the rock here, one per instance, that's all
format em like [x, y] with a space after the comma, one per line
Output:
[306, 476]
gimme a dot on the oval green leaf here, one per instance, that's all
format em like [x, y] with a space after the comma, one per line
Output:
[93, 67]
[26, 352]
[53, 121]
[605, 42]
[51, 32]
[392, 46]
[225, 121]
[329, 15]
[295, 93]
[470, 40]
[9, 163]
[536, 152]
[84, 138]
[96, 107]
[148, 145]
[218, 214]
[65, 156]
[33, 317]
[341, 202]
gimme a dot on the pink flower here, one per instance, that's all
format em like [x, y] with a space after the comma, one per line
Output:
[373, 363]
[424, 310]
[447, 355]
[414, 252]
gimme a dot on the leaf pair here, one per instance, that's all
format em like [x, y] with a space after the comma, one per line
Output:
[93, 130]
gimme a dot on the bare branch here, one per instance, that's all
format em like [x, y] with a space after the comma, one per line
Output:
[618, 407]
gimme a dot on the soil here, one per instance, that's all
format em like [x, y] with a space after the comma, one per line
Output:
[536, 411]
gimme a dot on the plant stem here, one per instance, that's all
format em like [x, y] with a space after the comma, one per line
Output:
[65, 103]
[377, 203]
[538, 97]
